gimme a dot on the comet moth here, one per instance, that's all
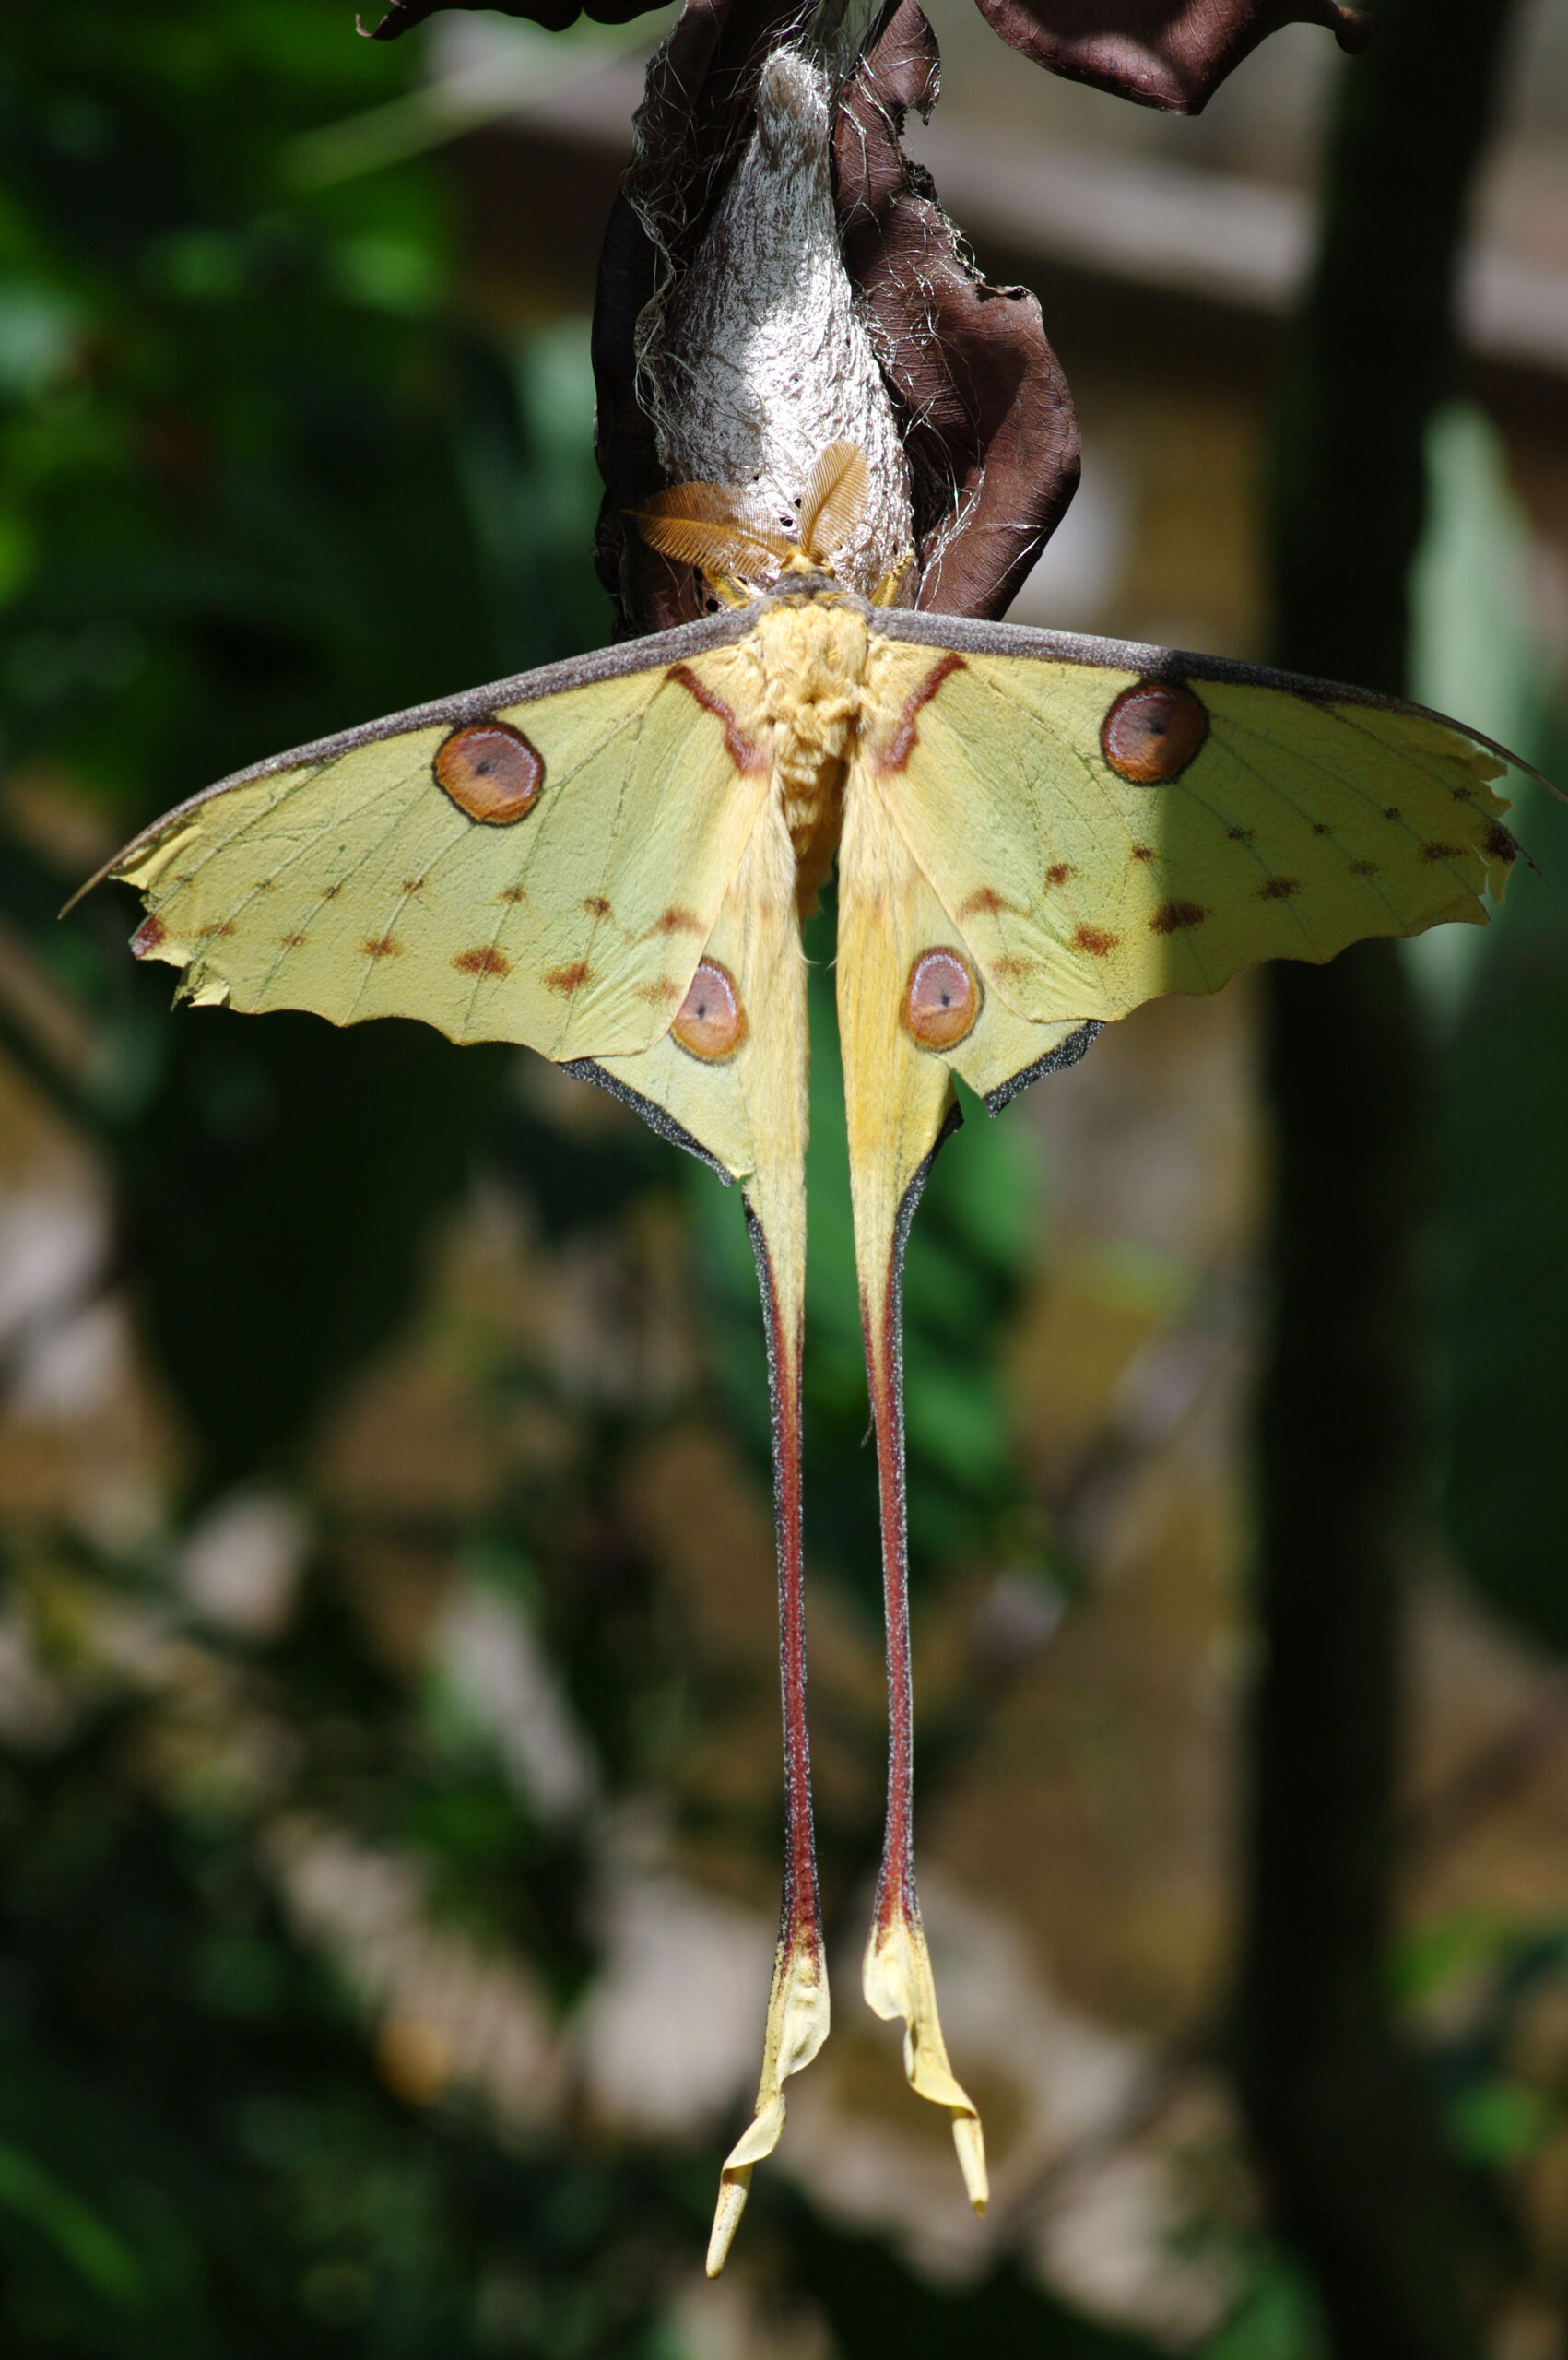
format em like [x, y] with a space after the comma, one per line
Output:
[608, 860]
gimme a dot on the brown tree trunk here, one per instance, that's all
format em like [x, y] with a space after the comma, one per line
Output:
[1350, 2155]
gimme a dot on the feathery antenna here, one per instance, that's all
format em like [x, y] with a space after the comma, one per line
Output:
[834, 502]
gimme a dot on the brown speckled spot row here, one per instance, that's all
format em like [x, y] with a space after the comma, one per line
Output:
[491, 771]
[1096, 940]
[483, 959]
[1173, 917]
[381, 946]
[1058, 872]
[567, 980]
[1278, 889]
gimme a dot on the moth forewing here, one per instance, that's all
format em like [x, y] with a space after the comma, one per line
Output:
[1110, 822]
[534, 867]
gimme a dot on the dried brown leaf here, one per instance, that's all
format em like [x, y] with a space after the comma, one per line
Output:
[1168, 53]
[987, 417]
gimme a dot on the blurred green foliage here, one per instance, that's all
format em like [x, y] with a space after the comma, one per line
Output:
[1505, 1175]
[1499, 1000]
[259, 483]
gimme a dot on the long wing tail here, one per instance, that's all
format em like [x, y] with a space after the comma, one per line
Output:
[899, 1105]
[729, 1080]
[912, 1008]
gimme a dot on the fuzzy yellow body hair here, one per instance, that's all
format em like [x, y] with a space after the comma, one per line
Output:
[608, 861]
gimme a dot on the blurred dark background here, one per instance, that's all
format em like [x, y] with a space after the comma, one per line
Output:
[389, 1802]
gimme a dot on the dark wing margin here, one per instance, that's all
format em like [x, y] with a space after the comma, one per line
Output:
[648, 1109]
[1066, 1052]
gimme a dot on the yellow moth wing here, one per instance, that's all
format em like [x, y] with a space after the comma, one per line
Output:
[896, 1096]
[1298, 823]
[699, 1107]
[890, 920]
[738, 1098]
[351, 881]
[1006, 1051]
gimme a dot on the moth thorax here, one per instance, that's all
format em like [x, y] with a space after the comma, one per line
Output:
[813, 656]
[809, 731]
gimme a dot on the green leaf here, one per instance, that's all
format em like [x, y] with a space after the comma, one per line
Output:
[94, 2251]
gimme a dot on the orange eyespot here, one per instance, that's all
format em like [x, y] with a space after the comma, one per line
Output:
[941, 1000]
[1152, 732]
[491, 772]
[711, 1023]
